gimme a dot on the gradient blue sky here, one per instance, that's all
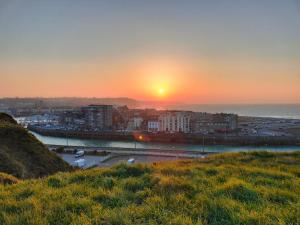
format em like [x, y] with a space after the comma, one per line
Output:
[223, 51]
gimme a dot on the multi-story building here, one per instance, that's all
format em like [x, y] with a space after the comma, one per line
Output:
[153, 126]
[134, 123]
[98, 117]
[175, 121]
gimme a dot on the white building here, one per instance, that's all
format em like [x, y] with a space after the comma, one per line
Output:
[153, 126]
[138, 122]
[175, 121]
[134, 123]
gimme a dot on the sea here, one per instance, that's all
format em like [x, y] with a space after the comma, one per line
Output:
[289, 111]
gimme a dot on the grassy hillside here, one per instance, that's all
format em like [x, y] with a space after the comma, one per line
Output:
[241, 188]
[22, 155]
[4, 118]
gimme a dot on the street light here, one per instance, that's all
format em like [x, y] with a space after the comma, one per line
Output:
[203, 143]
[140, 137]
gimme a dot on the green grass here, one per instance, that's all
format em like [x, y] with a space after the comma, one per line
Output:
[7, 179]
[22, 155]
[233, 188]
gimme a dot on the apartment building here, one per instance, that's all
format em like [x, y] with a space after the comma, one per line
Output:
[175, 121]
[153, 126]
[98, 117]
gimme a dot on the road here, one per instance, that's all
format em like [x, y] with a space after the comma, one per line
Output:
[145, 152]
[113, 159]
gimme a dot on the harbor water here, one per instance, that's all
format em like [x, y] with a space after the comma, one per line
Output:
[143, 145]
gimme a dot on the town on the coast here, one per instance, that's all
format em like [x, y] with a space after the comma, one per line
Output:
[121, 122]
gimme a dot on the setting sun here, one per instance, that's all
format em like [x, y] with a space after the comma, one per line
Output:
[161, 91]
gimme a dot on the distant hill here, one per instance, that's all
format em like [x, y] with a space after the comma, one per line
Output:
[78, 102]
[257, 188]
[22, 155]
[64, 102]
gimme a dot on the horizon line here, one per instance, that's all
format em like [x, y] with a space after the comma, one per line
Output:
[156, 101]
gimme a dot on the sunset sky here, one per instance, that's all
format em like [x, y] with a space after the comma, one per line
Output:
[193, 51]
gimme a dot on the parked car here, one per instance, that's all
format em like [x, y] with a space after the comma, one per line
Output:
[131, 161]
[79, 154]
[80, 163]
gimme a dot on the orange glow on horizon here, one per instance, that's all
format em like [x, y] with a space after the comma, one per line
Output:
[155, 79]
[161, 79]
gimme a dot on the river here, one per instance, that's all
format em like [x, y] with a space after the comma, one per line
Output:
[132, 144]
